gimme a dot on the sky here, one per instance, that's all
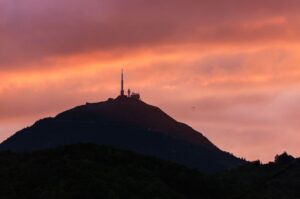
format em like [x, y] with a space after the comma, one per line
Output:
[228, 68]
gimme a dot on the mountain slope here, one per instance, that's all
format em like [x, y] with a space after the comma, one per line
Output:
[125, 123]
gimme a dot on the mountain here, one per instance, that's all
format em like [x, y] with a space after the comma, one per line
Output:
[125, 123]
[93, 171]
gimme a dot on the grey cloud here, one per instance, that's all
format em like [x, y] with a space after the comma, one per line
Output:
[32, 30]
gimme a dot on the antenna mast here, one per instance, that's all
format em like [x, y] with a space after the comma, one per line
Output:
[122, 83]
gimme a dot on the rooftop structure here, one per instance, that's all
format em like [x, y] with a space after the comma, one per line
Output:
[132, 95]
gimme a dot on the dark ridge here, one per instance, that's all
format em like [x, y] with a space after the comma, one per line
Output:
[93, 171]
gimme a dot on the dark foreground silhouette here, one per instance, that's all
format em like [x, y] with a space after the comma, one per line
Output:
[92, 171]
[125, 123]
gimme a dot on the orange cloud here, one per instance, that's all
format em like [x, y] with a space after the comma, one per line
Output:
[226, 67]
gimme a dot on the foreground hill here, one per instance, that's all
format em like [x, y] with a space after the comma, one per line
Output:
[93, 171]
[276, 180]
[125, 123]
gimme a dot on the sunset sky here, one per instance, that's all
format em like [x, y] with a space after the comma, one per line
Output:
[228, 68]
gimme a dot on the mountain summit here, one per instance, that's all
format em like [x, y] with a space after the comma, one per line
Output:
[125, 123]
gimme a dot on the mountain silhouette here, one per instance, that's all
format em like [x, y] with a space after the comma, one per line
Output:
[125, 123]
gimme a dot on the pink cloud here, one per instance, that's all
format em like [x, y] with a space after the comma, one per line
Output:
[232, 65]
[34, 30]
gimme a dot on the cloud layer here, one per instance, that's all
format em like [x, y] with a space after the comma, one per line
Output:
[229, 68]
